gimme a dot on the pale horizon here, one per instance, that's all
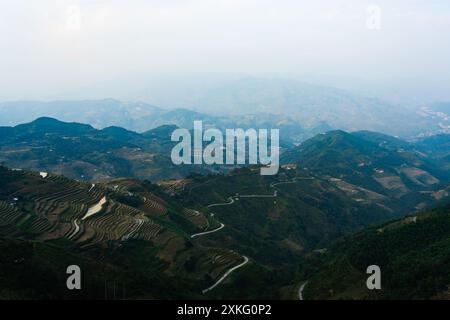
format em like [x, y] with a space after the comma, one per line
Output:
[75, 50]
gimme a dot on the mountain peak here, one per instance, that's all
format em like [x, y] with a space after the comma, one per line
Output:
[47, 124]
[46, 120]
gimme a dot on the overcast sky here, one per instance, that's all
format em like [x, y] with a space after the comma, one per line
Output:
[50, 48]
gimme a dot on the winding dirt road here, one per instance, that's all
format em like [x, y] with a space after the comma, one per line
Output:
[208, 232]
[226, 275]
[231, 200]
[300, 290]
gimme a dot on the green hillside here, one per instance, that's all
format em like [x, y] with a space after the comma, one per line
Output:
[190, 231]
[373, 161]
[126, 232]
[413, 254]
[185, 232]
[81, 152]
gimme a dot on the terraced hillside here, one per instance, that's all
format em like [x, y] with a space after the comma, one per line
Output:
[125, 226]
[204, 234]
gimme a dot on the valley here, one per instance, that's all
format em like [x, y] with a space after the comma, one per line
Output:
[231, 234]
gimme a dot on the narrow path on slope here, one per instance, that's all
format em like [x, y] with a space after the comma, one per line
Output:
[226, 275]
[231, 200]
[300, 290]
[77, 228]
[275, 194]
[208, 232]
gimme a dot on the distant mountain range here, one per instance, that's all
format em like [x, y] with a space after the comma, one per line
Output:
[298, 109]
[306, 103]
[141, 117]
[82, 152]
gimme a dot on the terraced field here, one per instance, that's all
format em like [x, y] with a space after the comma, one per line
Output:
[151, 204]
[221, 261]
[9, 217]
[197, 218]
[93, 217]
[79, 212]
[154, 206]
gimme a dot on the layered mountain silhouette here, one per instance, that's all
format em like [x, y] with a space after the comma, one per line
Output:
[75, 194]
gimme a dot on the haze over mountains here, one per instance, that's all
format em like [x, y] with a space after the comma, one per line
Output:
[301, 109]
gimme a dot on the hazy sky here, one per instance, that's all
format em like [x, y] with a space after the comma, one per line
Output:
[50, 49]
